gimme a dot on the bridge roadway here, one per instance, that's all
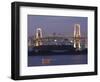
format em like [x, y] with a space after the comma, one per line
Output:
[59, 38]
[50, 40]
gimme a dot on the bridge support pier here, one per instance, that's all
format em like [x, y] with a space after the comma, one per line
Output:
[38, 41]
[77, 36]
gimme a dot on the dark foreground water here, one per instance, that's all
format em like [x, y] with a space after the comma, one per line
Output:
[40, 60]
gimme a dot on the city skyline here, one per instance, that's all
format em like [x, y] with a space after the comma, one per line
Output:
[56, 24]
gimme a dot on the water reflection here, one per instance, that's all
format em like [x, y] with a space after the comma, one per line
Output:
[46, 60]
[57, 60]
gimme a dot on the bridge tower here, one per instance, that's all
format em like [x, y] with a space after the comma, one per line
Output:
[38, 37]
[77, 36]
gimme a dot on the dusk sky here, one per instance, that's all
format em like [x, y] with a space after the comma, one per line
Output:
[56, 24]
